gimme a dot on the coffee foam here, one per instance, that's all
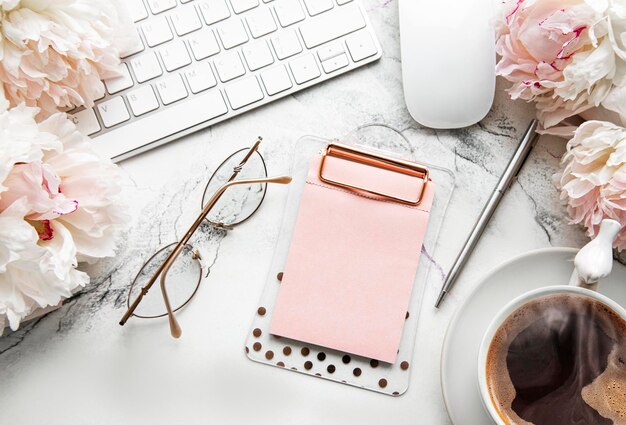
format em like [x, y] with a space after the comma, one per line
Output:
[606, 394]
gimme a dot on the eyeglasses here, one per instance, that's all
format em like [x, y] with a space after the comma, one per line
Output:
[227, 201]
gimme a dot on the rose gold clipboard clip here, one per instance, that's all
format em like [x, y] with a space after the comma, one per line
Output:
[353, 154]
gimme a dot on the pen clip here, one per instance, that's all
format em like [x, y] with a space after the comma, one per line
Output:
[532, 145]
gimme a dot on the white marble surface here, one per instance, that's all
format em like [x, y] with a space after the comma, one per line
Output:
[78, 366]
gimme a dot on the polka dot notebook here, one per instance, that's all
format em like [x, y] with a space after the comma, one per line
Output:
[325, 363]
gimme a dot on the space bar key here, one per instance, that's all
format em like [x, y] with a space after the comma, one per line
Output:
[161, 124]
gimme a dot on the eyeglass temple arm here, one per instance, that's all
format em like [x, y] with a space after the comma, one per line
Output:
[251, 151]
[175, 329]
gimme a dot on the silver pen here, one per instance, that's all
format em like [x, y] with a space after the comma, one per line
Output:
[509, 175]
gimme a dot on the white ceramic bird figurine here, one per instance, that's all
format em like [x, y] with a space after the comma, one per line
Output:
[595, 260]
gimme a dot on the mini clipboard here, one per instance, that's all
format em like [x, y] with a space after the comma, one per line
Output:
[375, 371]
[354, 252]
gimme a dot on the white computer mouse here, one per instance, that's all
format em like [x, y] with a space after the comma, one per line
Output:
[448, 60]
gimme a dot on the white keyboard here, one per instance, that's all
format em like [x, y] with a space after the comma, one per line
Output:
[199, 62]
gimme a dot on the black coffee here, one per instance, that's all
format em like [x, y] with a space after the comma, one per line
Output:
[560, 360]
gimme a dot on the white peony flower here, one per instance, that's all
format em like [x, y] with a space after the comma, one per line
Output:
[32, 275]
[54, 53]
[59, 204]
[593, 177]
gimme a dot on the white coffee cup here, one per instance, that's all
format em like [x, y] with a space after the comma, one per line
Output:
[593, 262]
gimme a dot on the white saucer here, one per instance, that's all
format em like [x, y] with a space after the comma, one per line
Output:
[535, 269]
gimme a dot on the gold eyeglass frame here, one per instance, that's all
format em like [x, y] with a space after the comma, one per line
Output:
[163, 269]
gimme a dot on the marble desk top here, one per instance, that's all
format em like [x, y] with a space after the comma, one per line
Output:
[78, 366]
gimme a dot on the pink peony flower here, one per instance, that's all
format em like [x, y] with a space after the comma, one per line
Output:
[59, 204]
[54, 53]
[593, 177]
[566, 55]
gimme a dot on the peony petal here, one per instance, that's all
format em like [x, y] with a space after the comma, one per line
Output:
[616, 102]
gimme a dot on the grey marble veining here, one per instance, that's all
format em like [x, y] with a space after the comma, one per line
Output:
[78, 354]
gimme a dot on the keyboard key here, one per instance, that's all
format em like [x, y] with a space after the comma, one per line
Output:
[157, 31]
[304, 68]
[315, 7]
[186, 20]
[142, 100]
[229, 66]
[276, 80]
[171, 89]
[286, 44]
[200, 77]
[203, 44]
[335, 63]
[340, 2]
[134, 48]
[158, 6]
[244, 92]
[289, 12]
[240, 6]
[257, 55]
[232, 33]
[113, 111]
[330, 26]
[146, 67]
[86, 121]
[261, 22]
[214, 11]
[361, 45]
[181, 116]
[117, 84]
[175, 55]
[330, 50]
[137, 10]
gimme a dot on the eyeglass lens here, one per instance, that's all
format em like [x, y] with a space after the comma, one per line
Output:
[181, 282]
[239, 202]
